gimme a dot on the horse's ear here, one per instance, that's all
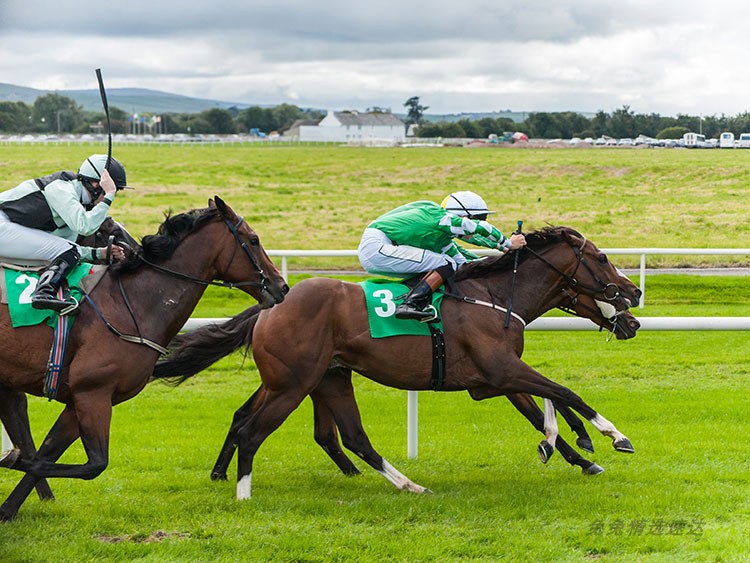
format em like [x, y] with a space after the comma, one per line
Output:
[211, 203]
[223, 208]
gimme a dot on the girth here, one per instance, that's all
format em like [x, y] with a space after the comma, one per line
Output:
[438, 358]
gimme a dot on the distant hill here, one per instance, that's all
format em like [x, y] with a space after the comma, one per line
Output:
[143, 100]
[135, 100]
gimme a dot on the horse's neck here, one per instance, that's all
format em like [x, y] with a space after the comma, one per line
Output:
[535, 291]
[166, 299]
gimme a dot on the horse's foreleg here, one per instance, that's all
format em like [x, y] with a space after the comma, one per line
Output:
[521, 378]
[241, 415]
[63, 433]
[14, 416]
[94, 413]
[272, 410]
[324, 398]
[583, 440]
[619, 441]
[527, 407]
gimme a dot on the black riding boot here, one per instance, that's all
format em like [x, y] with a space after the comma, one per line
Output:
[417, 304]
[45, 296]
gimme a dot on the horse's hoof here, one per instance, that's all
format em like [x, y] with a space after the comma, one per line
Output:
[218, 476]
[545, 451]
[624, 446]
[585, 444]
[593, 469]
[9, 458]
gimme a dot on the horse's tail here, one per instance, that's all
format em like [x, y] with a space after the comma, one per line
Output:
[194, 351]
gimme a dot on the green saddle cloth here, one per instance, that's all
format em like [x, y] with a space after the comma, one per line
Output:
[382, 297]
[20, 286]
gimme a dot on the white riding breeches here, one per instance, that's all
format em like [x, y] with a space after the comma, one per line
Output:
[378, 255]
[29, 247]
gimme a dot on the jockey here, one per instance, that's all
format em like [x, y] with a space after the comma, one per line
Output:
[40, 220]
[417, 238]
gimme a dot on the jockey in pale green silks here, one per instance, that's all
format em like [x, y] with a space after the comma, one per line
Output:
[417, 238]
[41, 219]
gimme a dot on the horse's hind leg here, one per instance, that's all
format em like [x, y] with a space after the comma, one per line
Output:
[339, 393]
[64, 432]
[14, 416]
[325, 397]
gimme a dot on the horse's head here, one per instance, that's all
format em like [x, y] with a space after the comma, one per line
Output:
[620, 323]
[245, 262]
[583, 269]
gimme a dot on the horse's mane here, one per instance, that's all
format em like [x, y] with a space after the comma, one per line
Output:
[536, 240]
[161, 246]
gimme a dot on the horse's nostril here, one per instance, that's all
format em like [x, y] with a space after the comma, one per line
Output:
[285, 289]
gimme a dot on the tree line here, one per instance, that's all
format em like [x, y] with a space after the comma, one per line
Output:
[621, 123]
[54, 113]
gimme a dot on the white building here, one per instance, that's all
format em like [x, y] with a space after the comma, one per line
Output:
[354, 127]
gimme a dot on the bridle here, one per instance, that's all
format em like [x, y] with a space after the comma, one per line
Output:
[610, 291]
[234, 229]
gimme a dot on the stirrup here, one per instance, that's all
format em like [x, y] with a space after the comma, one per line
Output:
[433, 312]
[61, 306]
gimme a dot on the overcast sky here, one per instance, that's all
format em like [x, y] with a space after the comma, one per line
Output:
[662, 56]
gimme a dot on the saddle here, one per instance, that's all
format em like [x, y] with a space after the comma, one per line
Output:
[17, 284]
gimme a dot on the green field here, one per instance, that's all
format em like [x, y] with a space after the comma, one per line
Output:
[679, 396]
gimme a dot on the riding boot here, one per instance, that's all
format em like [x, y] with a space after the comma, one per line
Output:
[417, 304]
[45, 296]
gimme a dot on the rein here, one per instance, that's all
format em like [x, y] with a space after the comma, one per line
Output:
[571, 280]
[234, 229]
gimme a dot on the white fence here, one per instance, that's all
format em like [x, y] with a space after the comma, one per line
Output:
[285, 255]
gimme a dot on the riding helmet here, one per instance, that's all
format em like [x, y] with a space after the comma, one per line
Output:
[93, 166]
[466, 204]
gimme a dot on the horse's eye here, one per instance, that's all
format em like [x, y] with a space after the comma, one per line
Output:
[254, 241]
[602, 258]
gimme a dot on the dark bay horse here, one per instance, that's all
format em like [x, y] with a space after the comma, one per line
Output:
[13, 403]
[483, 357]
[138, 306]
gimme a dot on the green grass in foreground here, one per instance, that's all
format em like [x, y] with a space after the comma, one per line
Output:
[681, 397]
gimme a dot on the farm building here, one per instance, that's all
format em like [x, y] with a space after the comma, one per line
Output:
[351, 126]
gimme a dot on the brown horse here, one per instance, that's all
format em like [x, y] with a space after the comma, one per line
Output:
[483, 357]
[333, 399]
[151, 294]
[13, 403]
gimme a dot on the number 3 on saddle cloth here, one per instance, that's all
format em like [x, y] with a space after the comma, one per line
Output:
[17, 285]
[382, 297]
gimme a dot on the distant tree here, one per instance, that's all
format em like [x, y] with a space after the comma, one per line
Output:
[256, 117]
[54, 113]
[471, 129]
[415, 115]
[220, 121]
[543, 125]
[284, 115]
[672, 132]
[15, 117]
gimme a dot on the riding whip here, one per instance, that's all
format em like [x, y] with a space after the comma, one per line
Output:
[106, 113]
[513, 280]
